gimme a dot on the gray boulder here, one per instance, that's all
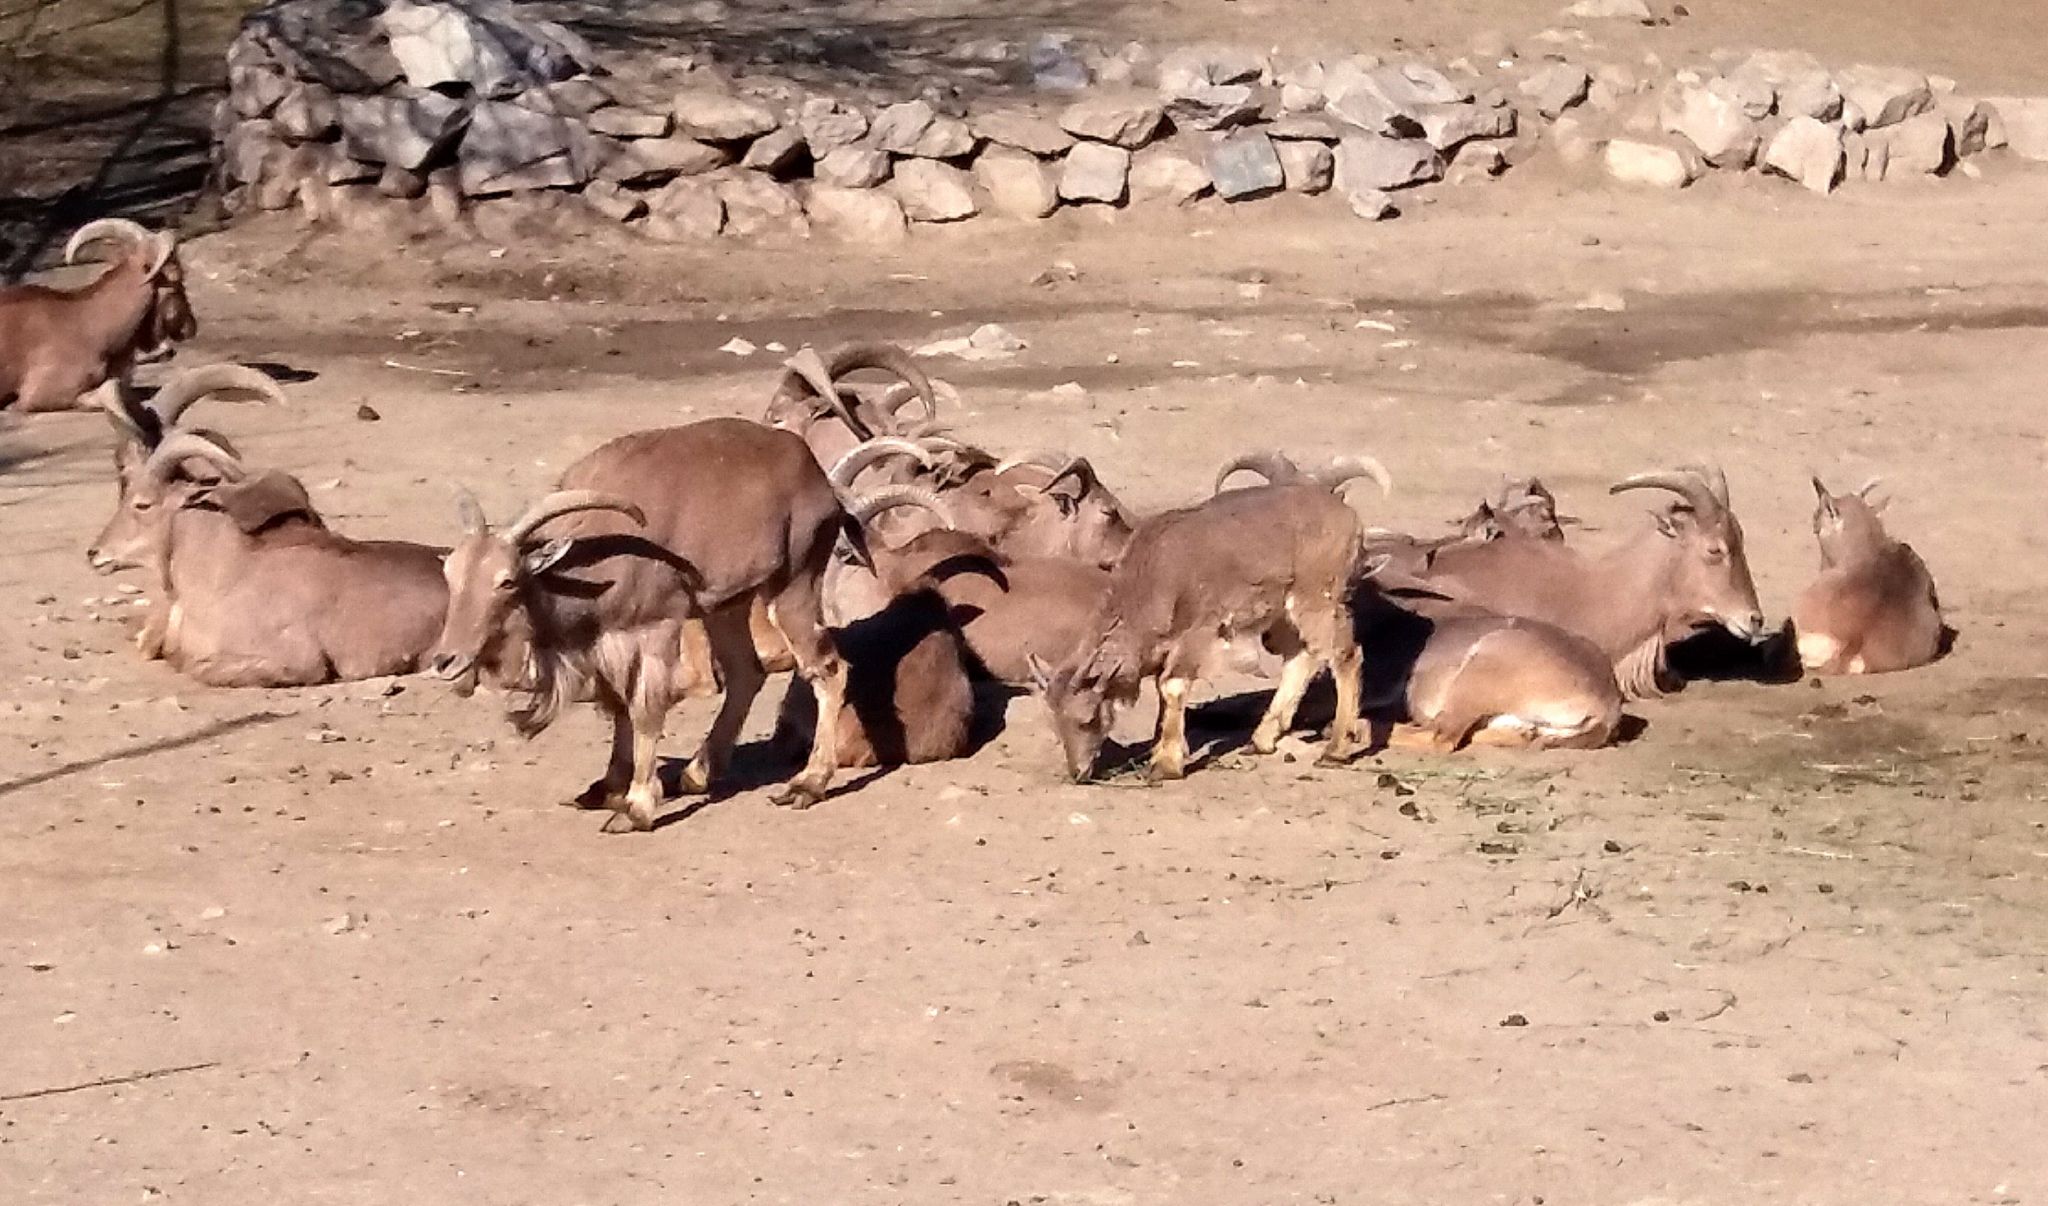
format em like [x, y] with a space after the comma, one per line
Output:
[1213, 106]
[1126, 121]
[609, 200]
[1245, 165]
[1651, 164]
[249, 150]
[1366, 161]
[2023, 121]
[402, 130]
[1557, 87]
[720, 116]
[1095, 171]
[487, 45]
[1809, 152]
[757, 206]
[1885, 96]
[1447, 127]
[1024, 131]
[1165, 173]
[652, 160]
[307, 113]
[1713, 122]
[828, 125]
[775, 150]
[512, 149]
[932, 191]
[686, 210]
[861, 215]
[1923, 145]
[852, 167]
[914, 128]
[1307, 167]
[621, 122]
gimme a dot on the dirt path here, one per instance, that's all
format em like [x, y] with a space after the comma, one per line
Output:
[1785, 946]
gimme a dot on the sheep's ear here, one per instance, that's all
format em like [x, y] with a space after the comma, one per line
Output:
[540, 560]
[257, 502]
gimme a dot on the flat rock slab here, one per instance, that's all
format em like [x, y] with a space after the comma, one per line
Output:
[852, 167]
[1124, 121]
[1245, 165]
[857, 215]
[1095, 171]
[404, 131]
[931, 191]
[720, 116]
[1024, 131]
[1367, 162]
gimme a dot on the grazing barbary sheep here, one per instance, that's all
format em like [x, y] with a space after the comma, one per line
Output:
[254, 591]
[138, 430]
[56, 347]
[1873, 609]
[813, 401]
[1276, 561]
[1687, 571]
[908, 698]
[723, 512]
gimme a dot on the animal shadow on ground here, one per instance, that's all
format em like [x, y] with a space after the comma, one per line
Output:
[1717, 655]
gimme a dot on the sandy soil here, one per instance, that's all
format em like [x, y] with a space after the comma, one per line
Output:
[1782, 947]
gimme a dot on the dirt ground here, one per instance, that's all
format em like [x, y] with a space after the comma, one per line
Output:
[1784, 946]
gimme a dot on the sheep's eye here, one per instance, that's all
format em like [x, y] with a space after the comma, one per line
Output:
[503, 582]
[141, 504]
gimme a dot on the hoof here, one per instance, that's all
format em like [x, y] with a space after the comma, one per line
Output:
[694, 781]
[798, 794]
[1165, 773]
[627, 822]
[598, 795]
[1336, 758]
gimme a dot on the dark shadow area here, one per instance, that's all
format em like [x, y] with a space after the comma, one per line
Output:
[80, 149]
[846, 43]
[1716, 655]
[160, 745]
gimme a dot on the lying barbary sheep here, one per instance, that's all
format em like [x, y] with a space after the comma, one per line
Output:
[56, 347]
[253, 590]
[1873, 609]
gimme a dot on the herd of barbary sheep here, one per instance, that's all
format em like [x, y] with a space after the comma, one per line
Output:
[890, 564]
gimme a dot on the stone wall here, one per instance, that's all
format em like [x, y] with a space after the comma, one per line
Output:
[466, 112]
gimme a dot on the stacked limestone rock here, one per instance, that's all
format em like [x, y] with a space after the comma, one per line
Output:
[1786, 114]
[443, 108]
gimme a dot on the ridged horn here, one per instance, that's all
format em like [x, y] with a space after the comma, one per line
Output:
[187, 387]
[806, 375]
[1687, 484]
[127, 418]
[1344, 469]
[888, 498]
[1077, 468]
[853, 357]
[569, 502]
[1273, 465]
[1039, 458]
[881, 448]
[181, 446]
[1716, 481]
[112, 228]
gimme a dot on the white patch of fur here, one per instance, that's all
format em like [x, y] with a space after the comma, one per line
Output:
[1817, 649]
[1640, 670]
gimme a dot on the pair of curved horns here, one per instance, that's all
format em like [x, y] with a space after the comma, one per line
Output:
[164, 242]
[1704, 490]
[870, 452]
[180, 392]
[1059, 464]
[888, 498]
[809, 374]
[1863, 492]
[552, 506]
[1280, 469]
[181, 446]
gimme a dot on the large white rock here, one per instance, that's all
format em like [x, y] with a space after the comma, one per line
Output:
[857, 215]
[1245, 165]
[1024, 131]
[1446, 127]
[1650, 164]
[686, 209]
[1164, 173]
[932, 191]
[1306, 167]
[650, 160]
[2025, 120]
[487, 45]
[1918, 146]
[403, 131]
[1122, 120]
[720, 116]
[756, 205]
[828, 125]
[511, 149]
[1885, 95]
[1713, 122]
[852, 167]
[1556, 88]
[914, 128]
[1367, 162]
[1017, 184]
[1095, 171]
[1810, 152]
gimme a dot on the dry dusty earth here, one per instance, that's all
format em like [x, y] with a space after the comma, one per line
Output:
[1785, 946]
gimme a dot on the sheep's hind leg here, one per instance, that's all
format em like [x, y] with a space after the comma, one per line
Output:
[1347, 667]
[797, 615]
[1296, 670]
[732, 649]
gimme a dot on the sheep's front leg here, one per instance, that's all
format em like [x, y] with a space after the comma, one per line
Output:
[1170, 751]
[1295, 673]
[643, 794]
[618, 772]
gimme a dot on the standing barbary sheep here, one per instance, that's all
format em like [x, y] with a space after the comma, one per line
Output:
[1873, 609]
[1688, 571]
[56, 347]
[253, 590]
[724, 512]
[139, 429]
[1275, 561]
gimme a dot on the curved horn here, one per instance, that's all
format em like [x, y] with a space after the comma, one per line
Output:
[1037, 458]
[473, 521]
[1717, 481]
[807, 375]
[1820, 488]
[852, 357]
[1863, 491]
[881, 448]
[888, 498]
[187, 387]
[1274, 466]
[181, 446]
[1688, 485]
[1344, 469]
[127, 423]
[1077, 468]
[568, 502]
[110, 228]
[166, 243]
